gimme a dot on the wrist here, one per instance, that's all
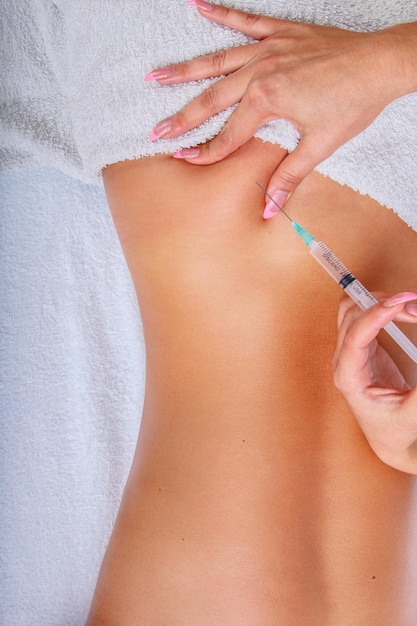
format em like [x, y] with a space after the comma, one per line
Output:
[398, 49]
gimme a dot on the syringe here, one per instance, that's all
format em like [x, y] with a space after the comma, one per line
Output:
[352, 286]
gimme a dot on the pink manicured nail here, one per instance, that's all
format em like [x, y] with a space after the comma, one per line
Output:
[278, 197]
[412, 309]
[161, 73]
[400, 298]
[160, 129]
[268, 213]
[200, 4]
[186, 153]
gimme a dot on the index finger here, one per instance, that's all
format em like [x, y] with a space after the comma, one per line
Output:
[256, 26]
[356, 334]
[222, 62]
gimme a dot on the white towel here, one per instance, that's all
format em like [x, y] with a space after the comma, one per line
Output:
[71, 389]
[75, 94]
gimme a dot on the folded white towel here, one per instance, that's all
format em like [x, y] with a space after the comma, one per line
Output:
[74, 93]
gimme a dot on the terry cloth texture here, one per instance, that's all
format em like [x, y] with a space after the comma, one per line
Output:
[71, 389]
[73, 94]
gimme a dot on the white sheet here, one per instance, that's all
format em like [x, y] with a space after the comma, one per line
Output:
[71, 389]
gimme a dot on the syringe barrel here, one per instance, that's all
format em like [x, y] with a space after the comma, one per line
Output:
[340, 273]
[329, 261]
[359, 294]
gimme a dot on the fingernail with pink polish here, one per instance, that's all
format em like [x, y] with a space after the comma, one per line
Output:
[160, 74]
[278, 197]
[186, 153]
[160, 130]
[400, 298]
[200, 4]
[412, 309]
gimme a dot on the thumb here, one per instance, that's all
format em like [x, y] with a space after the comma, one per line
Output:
[289, 174]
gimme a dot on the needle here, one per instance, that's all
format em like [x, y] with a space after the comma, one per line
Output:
[351, 285]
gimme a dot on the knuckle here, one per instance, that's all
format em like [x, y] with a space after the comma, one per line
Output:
[271, 59]
[226, 137]
[345, 306]
[350, 338]
[179, 121]
[260, 95]
[183, 121]
[254, 94]
[183, 71]
[209, 98]
[348, 310]
[289, 179]
[341, 379]
[257, 94]
[252, 20]
[223, 144]
[218, 61]
[338, 379]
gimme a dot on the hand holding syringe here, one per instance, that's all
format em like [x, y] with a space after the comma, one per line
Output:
[354, 289]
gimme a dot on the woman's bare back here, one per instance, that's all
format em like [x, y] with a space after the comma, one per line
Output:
[254, 499]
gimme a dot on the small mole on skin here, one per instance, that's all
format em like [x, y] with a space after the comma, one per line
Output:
[243, 440]
[373, 577]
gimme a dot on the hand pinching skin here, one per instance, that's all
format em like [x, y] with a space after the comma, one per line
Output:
[330, 83]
